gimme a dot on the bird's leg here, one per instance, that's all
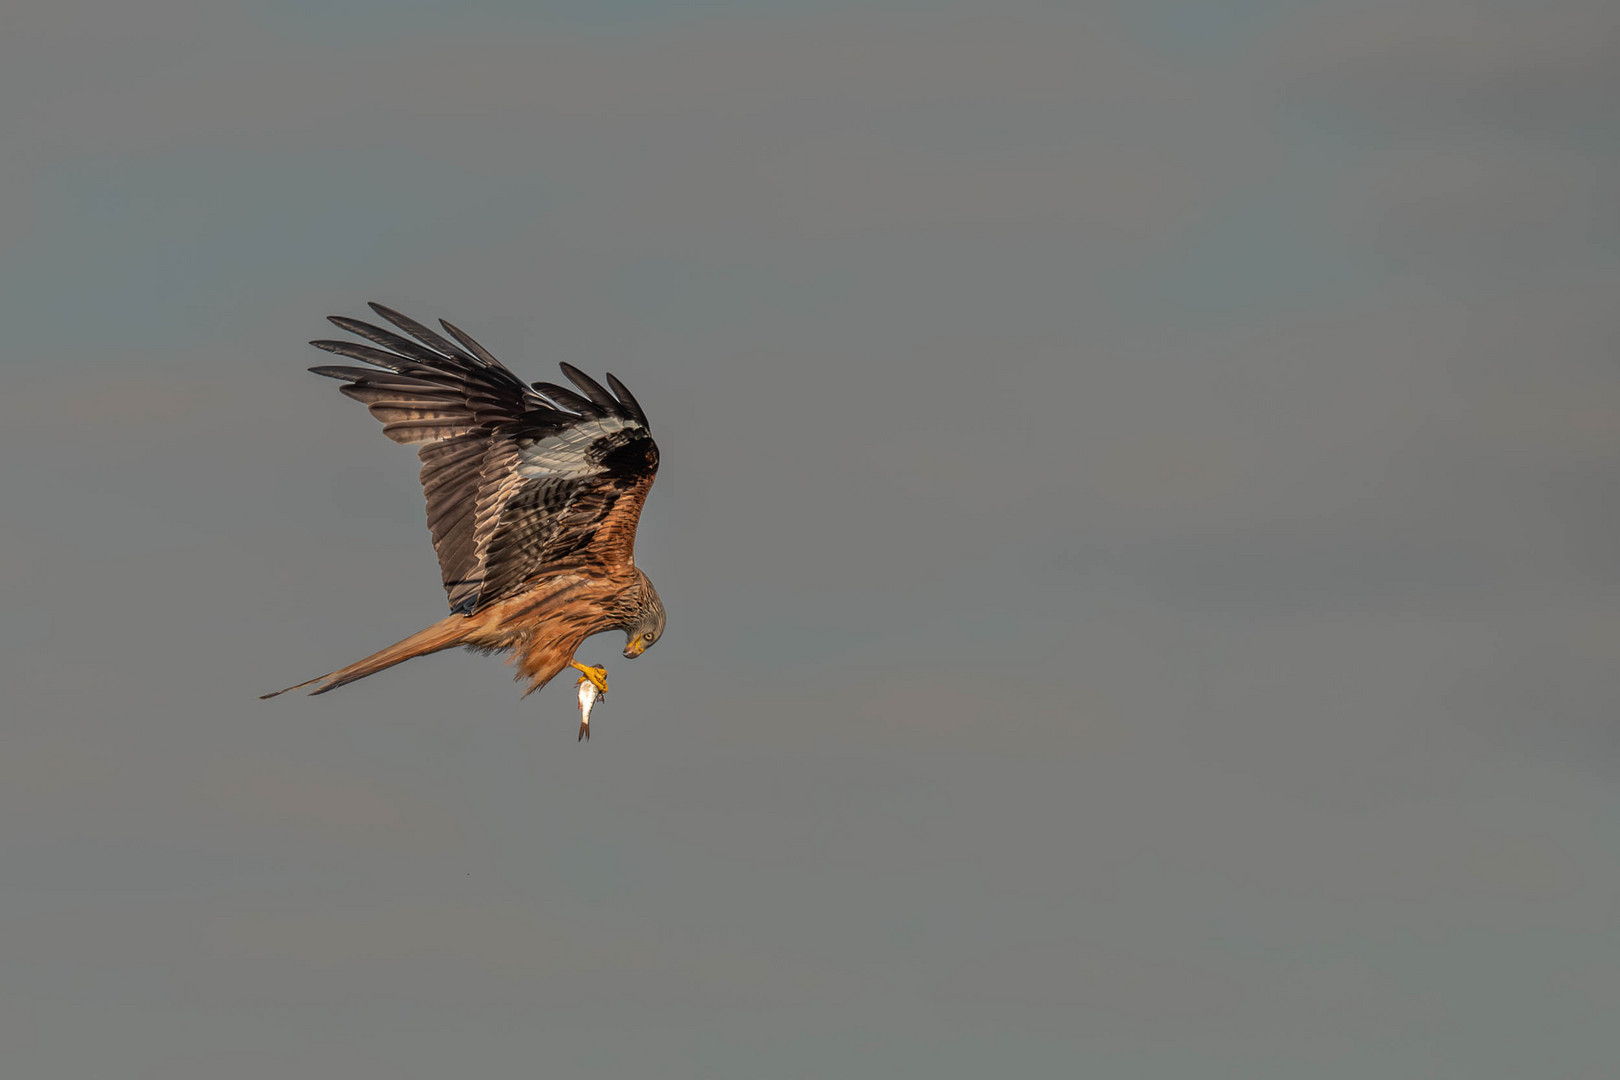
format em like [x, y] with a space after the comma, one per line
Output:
[597, 675]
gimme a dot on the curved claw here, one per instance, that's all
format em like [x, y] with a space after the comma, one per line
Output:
[597, 675]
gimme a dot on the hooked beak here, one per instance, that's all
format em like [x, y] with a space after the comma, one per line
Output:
[635, 648]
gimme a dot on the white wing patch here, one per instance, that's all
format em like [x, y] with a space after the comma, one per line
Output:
[563, 454]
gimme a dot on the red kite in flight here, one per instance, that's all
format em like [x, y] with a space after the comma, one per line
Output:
[533, 495]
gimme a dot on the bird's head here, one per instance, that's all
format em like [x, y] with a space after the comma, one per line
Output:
[648, 627]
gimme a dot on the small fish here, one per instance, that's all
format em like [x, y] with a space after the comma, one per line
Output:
[588, 697]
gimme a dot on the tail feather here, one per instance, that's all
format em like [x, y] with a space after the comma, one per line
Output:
[444, 634]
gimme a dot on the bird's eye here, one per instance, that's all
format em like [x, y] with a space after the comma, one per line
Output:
[648, 637]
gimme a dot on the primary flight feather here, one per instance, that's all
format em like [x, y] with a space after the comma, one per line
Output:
[533, 496]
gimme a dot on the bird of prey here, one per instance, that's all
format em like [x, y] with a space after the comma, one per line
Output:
[533, 495]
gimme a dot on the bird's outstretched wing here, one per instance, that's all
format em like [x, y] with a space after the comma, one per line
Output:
[520, 480]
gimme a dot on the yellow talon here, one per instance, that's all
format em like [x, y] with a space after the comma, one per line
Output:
[597, 675]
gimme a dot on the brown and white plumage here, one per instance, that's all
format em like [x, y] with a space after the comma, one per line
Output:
[533, 496]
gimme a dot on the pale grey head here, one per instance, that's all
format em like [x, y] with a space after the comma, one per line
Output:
[648, 623]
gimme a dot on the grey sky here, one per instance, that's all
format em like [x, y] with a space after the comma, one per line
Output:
[1137, 521]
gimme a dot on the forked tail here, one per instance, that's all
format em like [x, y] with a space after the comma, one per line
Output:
[444, 634]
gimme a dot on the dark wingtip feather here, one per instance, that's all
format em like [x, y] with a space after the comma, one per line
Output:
[347, 374]
[405, 347]
[472, 346]
[380, 357]
[593, 389]
[421, 333]
[627, 399]
[567, 399]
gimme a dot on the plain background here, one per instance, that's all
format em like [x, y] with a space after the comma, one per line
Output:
[1138, 522]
